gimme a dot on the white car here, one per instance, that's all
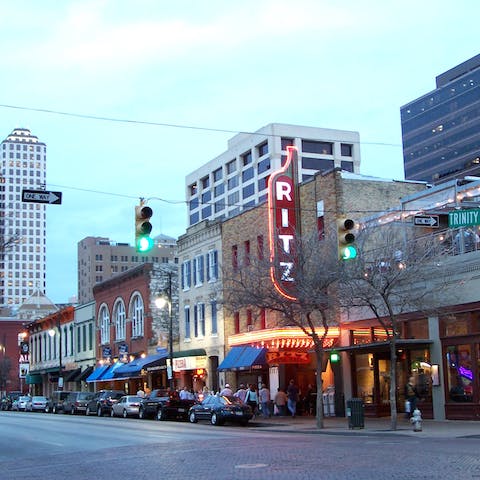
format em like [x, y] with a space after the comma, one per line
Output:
[21, 403]
[127, 406]
[37, 403]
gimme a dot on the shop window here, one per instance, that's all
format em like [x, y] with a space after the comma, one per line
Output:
[460, 373]
[365, 378]
[454, 325]
[417, 329]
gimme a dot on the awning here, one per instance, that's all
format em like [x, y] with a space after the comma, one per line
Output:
[195, 352]
[97, 373]
[84, 375]
[134, 368]
[110, 373]
[71, 375]
[407, 344]
[243, 358]
[33, 379]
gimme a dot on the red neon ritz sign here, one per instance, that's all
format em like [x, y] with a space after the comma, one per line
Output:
[283, 224]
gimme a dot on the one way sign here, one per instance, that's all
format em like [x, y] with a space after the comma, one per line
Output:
[42, 196]
[426, 221]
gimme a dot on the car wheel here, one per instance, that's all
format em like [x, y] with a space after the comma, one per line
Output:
[215, 420]
[141, 414]
[125, 414]
[72, 411]
[88, 411]
[99, 411]
[111, 413]
[192, 417]
[161, 415]
[54, 409]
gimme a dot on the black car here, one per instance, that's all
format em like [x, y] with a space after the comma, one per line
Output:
[76, 402]
[220, 409]
[162, 405]
[55, 401]
[102, 401]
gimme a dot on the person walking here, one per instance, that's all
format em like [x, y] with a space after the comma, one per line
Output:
[281, 402]
[227, 391]
[251, 398]
[411, 396]
[241, 392]
[292, 394]
[264, 399]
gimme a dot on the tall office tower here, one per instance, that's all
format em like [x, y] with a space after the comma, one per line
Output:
[237, 179]
[440, 130]
[100, 259]
[22, 225]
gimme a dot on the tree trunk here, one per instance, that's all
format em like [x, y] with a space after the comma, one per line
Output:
[393, 383]
[319, 411]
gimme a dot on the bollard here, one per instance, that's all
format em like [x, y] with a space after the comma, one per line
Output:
[416, 420]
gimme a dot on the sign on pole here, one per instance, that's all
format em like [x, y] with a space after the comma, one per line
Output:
[464, 218]
[42, 196]
[426, 221]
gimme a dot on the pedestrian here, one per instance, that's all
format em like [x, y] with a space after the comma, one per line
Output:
[241, 392]
[226, 391]
[184, 393]
[281, 402]
[292, 394]
[140, 393]
[251, 398]
[264, 399]
[411, 396]
[309, 400]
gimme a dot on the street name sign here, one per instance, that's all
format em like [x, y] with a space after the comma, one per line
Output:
[42, 196]
[464, 218]
[426, 221]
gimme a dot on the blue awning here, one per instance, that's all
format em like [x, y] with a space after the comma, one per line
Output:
[134, 368]
[243, 358]
[110, 373]
[97, 373]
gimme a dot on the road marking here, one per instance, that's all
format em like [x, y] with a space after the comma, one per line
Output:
[252, 465]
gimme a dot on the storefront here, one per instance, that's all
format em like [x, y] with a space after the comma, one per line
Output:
[191, 368]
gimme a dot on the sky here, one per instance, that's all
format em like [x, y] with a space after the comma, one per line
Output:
[130, 96]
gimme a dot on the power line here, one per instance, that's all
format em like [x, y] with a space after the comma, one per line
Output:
[163, 124]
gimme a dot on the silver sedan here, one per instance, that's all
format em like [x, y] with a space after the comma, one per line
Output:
[127, 406]
[36, 404]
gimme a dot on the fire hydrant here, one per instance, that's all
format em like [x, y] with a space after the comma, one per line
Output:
[416, 420]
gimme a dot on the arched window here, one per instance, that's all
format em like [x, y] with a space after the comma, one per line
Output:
[120, 320]
[136, 314]
[104, 323]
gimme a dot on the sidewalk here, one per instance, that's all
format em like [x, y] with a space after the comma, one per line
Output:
[372, 426]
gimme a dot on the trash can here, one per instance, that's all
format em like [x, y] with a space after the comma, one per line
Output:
[355, 413]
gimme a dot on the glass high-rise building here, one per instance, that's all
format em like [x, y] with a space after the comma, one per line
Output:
[22, 225]
[441, 129]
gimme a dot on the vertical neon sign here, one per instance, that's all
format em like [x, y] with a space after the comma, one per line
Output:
[283, 224]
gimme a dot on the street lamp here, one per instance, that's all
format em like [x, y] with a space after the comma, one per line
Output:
[52, 332]
[161, 302]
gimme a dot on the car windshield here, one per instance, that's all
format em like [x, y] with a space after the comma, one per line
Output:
[230, 400]
[24, 399]
[39, 399]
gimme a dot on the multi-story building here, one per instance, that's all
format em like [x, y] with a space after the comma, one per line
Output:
[440, 129]
[237, 179]
[100, 258]
[22, 265]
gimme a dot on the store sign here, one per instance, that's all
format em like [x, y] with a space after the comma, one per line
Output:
[284, 224]
[287, 357]
[189, 363]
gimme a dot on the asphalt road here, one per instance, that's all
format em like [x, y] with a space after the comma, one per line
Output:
[51, 447]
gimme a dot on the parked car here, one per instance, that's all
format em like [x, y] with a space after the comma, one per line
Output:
[20, 403]
[76, 402]
[163, 405]
[127, 406]
[56, 399]
[8, 399]
[102, 401]
[37, 403]
[220, 409]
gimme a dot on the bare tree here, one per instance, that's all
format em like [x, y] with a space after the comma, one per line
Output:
[5, 368]
[391, 276]
[311, 307]
[6, 243]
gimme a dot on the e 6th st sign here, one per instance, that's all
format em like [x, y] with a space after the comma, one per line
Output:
[464, 218]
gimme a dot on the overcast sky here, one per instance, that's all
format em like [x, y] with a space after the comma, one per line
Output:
[225, 65]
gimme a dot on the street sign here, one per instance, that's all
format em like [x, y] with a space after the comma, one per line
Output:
[426, 221]
[42, 196]
[464, 218]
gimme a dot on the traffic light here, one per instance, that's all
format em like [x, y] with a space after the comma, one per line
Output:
[334, 357]
[143, 242]
[346, 239]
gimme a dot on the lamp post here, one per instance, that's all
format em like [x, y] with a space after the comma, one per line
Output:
[52, 332]
[160, 302]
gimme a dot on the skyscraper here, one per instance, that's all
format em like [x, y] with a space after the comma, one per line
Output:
[440, 129]
[22, 225]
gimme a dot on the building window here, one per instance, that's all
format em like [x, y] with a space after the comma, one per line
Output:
[104, 320]
[262, 149]
[136, 314]
[206, 196]
[235, 257]
[212, 265]
[231, 167]
[219, 190]
[246, 158]
[287, 142]
[217, 175]
[260, 247]
[206, 212]
[236, 322]
[187, 322]
[193, 189]
[186, 275]
[198, 271]
[195, 321]
[317, 163]
[312, 146]
[232, 182]
[205, 182]
[348, 166]
[346, 149]
[120, 320]
[249, 318]
[201, 319]
[263, 319]
[248, 190]
[246, 253]
[263, 166]
[247, 174]
[213, 309]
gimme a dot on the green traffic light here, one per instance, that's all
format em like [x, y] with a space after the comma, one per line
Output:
[145, 244]
[349, 252]
[334, 357]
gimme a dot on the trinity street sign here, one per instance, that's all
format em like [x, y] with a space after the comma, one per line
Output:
[42, 196]
[464, 218]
